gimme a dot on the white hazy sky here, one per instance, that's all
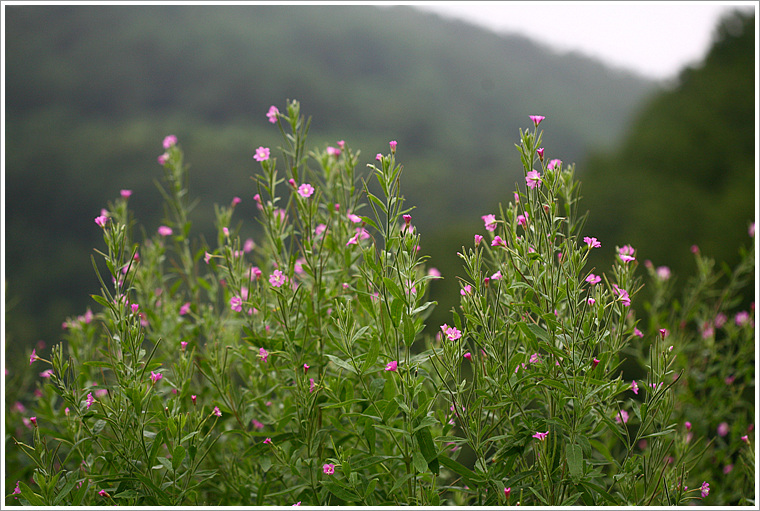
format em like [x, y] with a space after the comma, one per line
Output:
[656, 39]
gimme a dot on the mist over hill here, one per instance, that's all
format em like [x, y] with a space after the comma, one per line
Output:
[92, 90]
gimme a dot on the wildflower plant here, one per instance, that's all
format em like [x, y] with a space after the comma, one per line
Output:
[298, 368]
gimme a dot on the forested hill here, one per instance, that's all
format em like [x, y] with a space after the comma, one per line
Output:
[92, 90]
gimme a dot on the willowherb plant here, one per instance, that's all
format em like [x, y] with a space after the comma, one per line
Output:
[297, 368]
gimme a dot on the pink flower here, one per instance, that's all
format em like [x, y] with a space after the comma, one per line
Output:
[33, 420]
[90, 400]
[507, 491]
[333, 151]
[637, 332]
[257, 424]
[378, 157]
[751, 230]
[466, 290]
[496, 276]
[687, 424]
[169, 141]
[217, 411]
[745, 439]
[33, 356]
[354, 218]
[635, 387]
[165, 231]
[268, 440]
[622, 415]
[103, 493]
[297, 504]
[533, 179]
[194, 398]
[184, 309]
[554, 164]
[277, 278]
[723, 429]
[720, 320]
[305, 190]
[135, 308]
[728, 468]
[624, 298]
[236, 303]
[312, 385]
[591, 301]
[263, 354]
[468, 356]
[47, 373]
[741, 318]
[536, 119]
[392, 366]
[626, 253]
[17, 491]
[478, 239]
[540, 152]
[434, 272]
[490, 222]
[522, 219]
[272, 114]
[261, 154]
[705, 489]
[101, 220]
[592, 242]
[663, 272]
[393, 145]
[163, 158]
[594, 363]
[328, 468]
[451, 333]
[183, 345]
[154, 377]
[593, 279]
[497, 241]
[540, 436]
[125, 193]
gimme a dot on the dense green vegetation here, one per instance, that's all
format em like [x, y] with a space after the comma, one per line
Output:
[685, 173]
[92, 90]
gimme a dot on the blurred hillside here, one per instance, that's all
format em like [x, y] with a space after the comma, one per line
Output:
[686, 172]
[92, 90]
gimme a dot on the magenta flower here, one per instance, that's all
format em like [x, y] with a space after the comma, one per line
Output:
[723, 429]
[354, 218]
[496, 276]
[593, 279]
[154, 377]
[507, 491]
[536, 119]
[554, 164]
[468, 356]
[392, 366]
[741, 318]
[592, 242]
[47, 373]
[497, 241]
[624, 298]
[236, 303]
[745, 439]
[533, 179]
[490, 222]
[637, 332]
[90, 400]
[478, 239]
[393, 145]
[268, 441]
[262, 154]
[277, 278]
[540, 436]
[194, 398]
[540, 152]
[305, 190]
[184, 309]
[165, 231]
[664, 332]
[272, 114]
[522, 219]
[101, 220]
[635, 387]
[333, 151]
[751, 230]
[169, 141]
[103, 493]
[33, 356]
[626, 253]
[622, 417]
[328, 468]
[379, 157]
[125, 193]
[594, 363]
[217, 411]
[466, 290]
[183, 345]
[434, 272]
[33, 420]
[591, 301]
[663, 272]
[135, 308]
[17, 491]
[163, 158]
[451, 332]
[263, 354]
[312, 385]
[705, 489]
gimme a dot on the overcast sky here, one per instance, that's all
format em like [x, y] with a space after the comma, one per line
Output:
[656, 39]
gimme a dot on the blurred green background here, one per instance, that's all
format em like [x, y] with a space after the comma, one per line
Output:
[92, 90]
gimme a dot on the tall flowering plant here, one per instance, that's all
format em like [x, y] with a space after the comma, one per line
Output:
[296, 367]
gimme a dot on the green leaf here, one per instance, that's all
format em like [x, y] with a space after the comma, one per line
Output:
[165, 463]
[419, 462]
[427, 448]
[370, 488]
[29, 495]
[372, 354]
[575, 461]
[341, 363]
[369, 435]
[341, 492]
[468, 476]
[127, 494]
[178, 457]
[347, 402]
[409, 331]
[397, 306]
[65, 490]
[393, 288]
[390, 410]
